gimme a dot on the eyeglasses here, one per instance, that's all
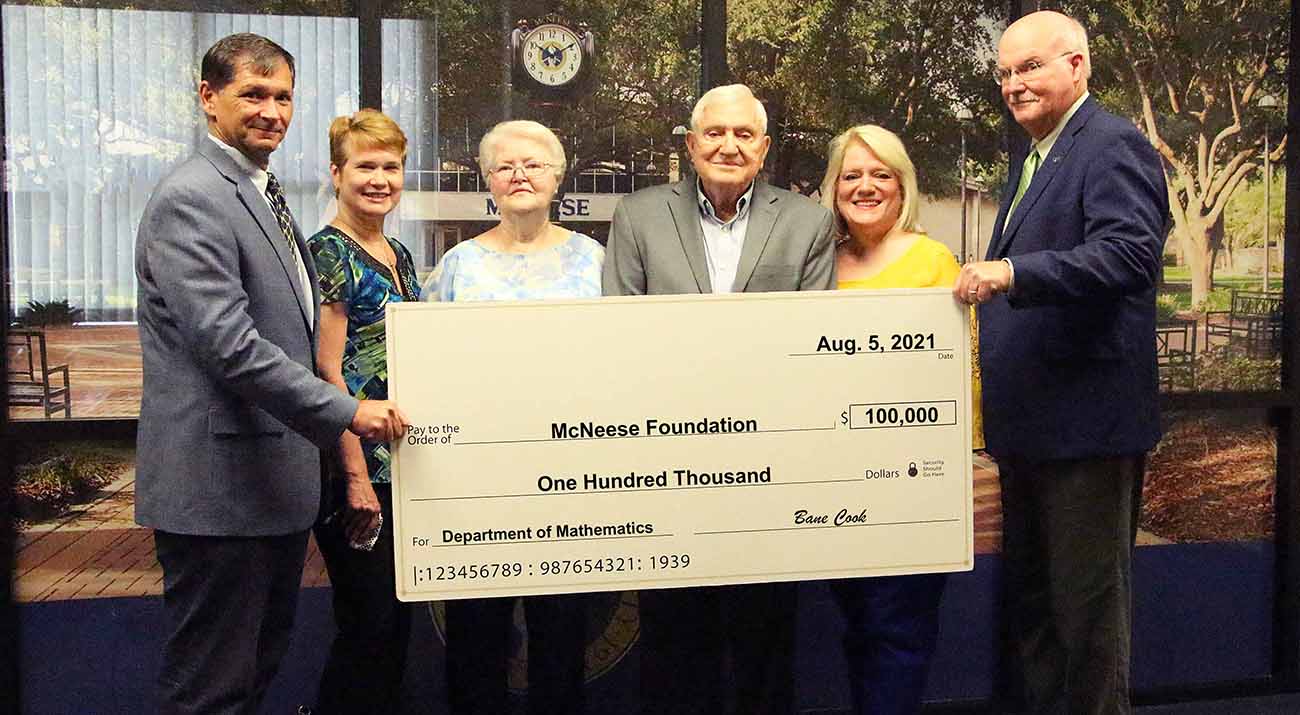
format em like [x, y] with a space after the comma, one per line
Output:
[530, 169]
[1027, 71]
[718, 136]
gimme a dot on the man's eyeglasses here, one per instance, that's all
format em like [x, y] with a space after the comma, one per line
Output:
[1027, 71]
[530, 169]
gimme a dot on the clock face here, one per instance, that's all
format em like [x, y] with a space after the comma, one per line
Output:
[552, 55]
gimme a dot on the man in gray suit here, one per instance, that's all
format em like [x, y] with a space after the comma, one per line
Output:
[724, 233]
[232, 415]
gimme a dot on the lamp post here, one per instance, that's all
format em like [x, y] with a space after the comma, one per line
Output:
[964, 116]
[1268, 103]
[674, 159]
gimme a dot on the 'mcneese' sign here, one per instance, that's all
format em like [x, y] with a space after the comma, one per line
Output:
[472, 206]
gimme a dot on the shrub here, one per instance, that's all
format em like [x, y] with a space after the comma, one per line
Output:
[1223, 370]
[46, 488]
[1166, 307]
[55, 312]
[1218, 299]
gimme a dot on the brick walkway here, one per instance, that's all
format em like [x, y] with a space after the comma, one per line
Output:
[97, 551]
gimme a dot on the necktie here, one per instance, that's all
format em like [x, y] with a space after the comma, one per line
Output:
[1026, 176]
[280, 208]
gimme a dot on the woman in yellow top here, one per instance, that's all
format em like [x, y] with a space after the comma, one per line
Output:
[892, 622]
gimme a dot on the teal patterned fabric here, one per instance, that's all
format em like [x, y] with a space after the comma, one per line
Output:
[349, 275]
[473, 272]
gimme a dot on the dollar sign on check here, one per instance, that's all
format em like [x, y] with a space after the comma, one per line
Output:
[844, 417]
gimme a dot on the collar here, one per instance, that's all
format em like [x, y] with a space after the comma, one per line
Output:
[1044, 146]
[256, 174]
[706, 206]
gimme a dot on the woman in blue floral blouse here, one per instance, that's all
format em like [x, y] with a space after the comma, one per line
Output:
[524, 257]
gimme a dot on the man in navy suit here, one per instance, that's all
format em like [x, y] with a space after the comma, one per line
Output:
[233, 416]
[1067, 344]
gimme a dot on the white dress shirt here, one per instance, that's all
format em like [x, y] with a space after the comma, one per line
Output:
[723, 240]
[260, 178]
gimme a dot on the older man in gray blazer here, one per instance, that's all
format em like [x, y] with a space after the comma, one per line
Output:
[724, 233]
[232, 415]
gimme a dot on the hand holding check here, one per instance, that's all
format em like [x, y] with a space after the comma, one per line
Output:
[378, 421]
[980, 281]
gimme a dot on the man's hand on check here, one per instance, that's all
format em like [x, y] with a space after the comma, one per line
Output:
[980, 281]
[378, 421]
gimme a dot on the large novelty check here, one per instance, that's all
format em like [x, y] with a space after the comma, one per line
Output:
[652, 442]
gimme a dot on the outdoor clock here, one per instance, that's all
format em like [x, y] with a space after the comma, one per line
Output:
[551, 57]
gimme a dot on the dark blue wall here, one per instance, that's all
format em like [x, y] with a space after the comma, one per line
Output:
[1203, 615]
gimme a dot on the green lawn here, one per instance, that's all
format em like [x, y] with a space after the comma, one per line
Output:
[1178, 288]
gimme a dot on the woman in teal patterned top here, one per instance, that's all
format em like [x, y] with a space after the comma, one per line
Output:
[524, 257]
[360, 271]
[350, 276]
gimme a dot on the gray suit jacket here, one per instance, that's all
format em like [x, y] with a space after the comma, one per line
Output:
[656, 245]
[232, 413]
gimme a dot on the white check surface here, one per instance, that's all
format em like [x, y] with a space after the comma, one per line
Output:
[650, 442]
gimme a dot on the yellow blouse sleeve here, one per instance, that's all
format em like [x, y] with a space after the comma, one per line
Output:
[945, 265]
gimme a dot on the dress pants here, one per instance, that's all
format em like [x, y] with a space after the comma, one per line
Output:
[479, 632]
[368, 657]
[1068, 529]
[718, 649]
[229, 604]
[891, 630]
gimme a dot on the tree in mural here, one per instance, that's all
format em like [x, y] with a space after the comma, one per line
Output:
[1190, 74]
[646, 70]
[824, 65]
[1243, 219]
[819, 65]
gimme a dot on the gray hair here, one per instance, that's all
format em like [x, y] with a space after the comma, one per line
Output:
[732, 92]
[520, 129]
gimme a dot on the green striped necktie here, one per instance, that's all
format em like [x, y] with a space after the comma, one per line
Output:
[1026, 176]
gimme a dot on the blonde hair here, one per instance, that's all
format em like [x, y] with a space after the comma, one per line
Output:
[366, 129]
[733, 92]
[520, 129]
[889, 149]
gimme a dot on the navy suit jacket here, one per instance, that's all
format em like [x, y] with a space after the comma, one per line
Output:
[1068, 358]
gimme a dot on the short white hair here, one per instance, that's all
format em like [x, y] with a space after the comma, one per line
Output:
[1076, 38]
[491, 142]
[1069, 31]
[729, 92]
